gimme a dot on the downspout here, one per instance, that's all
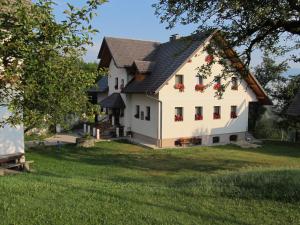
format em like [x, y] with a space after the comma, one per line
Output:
[159, 128]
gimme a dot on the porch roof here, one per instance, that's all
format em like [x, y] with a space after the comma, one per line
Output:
[114, 101]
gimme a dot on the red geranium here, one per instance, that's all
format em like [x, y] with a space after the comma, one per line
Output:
[217, 86]
[198, 117]
[233, 115]
[178, 118]
[217, 116]
[179, 86]
[209, 59]
[199, 87]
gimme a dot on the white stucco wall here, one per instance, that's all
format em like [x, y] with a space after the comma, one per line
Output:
[189, 99]
[11, 138]
[144, 127]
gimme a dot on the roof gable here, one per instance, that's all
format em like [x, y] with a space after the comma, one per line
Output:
[125, 51]
[162, 61]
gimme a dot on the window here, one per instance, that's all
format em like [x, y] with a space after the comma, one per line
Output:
[179, 79]
[148, 112]
[137, 112]
[179, 82]
[233, 138]
[199, 79]
[178, 114]
[199, 85]
[233, 113]
[122, 84]
[216, 140]
[116, 83]
[234, 83]
[217, 112]
[142, 115]
[198, 113]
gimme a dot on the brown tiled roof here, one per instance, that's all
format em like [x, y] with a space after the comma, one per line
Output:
[294, 108]
[126, 51]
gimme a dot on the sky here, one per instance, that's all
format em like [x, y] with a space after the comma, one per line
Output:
[133, 19]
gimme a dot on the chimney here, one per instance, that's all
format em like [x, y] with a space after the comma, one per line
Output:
[174, 37]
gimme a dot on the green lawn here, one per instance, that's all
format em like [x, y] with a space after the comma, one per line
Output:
[117, 183]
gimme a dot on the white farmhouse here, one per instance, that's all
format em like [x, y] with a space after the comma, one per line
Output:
[154, 93]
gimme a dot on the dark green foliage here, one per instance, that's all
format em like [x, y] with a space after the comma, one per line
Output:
[42, 81]
[250, 24]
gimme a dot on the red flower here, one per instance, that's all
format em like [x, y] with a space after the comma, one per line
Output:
[209, 59]
[179, 86]
[199, 87]
[217, 116]
[233, 115]
[217, 86]
[178, 118]
[198, 117]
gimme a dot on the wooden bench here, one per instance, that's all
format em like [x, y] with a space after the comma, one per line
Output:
[189, 141]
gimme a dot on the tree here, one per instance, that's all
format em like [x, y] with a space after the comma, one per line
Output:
[286, 93]
[247, 24]
[41, 81]
[270, 75]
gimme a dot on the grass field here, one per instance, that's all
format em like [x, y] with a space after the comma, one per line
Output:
[117, 183]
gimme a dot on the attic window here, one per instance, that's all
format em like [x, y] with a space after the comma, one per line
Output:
[179, 82]
[234, 83]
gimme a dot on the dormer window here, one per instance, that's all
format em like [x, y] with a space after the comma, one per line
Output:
[116, 83]
[179, 82]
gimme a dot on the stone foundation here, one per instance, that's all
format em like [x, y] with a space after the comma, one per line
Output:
[207, 140]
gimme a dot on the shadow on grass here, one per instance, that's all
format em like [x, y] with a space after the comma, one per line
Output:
[144, 161]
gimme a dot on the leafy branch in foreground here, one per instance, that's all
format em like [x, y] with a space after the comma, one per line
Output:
[271, 25]
[41, 81]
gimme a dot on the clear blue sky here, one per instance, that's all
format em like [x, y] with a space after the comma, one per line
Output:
[133, 19]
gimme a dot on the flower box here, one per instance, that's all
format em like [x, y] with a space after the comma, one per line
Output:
[217, 116]
[198, 117]
[209, 59]
[200, 87]
[233, 115]
[218, 86]
[179, 86]
[178, 118]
